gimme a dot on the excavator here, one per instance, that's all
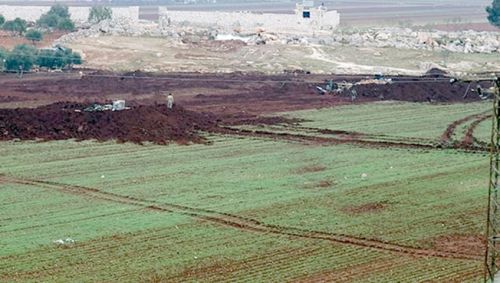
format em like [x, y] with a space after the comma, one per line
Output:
[334, 88]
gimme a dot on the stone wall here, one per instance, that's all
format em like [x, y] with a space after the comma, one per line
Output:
[78, 14]
[250, 22]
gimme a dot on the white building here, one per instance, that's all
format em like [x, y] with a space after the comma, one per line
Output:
[305, 19]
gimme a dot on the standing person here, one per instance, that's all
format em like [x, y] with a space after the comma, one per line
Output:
[21, 71]
[170, 101]
[354, 95]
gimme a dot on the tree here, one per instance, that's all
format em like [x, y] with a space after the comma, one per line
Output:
[22, 55]
[57, 17]
[70, 57]
[59, 10]
[59, 57]
[75, 58]
[66, 24]
[34, 35]
[17, 25]
[45, 58]
[3, 55]
[494, 13]
[2, 20]
[9, 26]
[48, 21]
[100, 13]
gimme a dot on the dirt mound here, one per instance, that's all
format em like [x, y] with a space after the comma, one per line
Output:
[415, 91]
[140, 124]
[223, 94]
[436, 73]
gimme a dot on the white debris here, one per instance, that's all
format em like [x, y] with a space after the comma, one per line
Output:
[58, 242]
[66, 241]
[364, 175]
[69, 241]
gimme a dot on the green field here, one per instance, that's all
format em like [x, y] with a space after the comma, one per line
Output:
[249, 208]
[403, 119]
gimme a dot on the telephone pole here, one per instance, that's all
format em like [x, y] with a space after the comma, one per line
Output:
[492, 257]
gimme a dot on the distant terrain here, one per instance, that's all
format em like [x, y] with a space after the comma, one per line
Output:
[353, 13]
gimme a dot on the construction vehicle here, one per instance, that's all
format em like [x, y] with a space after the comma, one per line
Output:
[332, 87]
[484, 94]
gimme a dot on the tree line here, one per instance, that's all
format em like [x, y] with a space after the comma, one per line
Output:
[57, 18]
[25, 57]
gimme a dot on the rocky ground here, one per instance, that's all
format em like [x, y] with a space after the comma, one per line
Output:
[417, 39]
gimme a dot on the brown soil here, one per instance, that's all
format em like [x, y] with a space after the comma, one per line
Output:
[9, 41]
[156, 124]
[226, 93]
[448, 133]
[352, 273]
[471, 244]
[315, 140]
[141, 123]
[468, 140]
[223, 268]
[324, 184]
[320, 185]
[310, 169]
[372, 207]
[408, 89]
[59, 121]
[230, 99]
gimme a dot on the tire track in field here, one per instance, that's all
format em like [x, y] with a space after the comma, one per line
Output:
[469, 138]
[402, 144]
[242, 223]
[362, 136]
[447, 135]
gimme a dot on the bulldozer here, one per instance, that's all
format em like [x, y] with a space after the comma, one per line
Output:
[332, 87]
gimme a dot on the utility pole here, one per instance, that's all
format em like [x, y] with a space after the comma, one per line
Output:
[492, 257]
